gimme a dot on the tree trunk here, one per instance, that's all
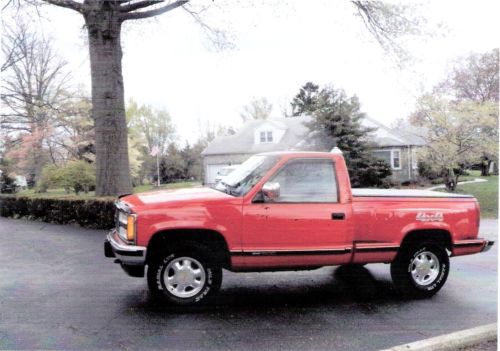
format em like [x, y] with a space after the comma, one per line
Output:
[450, 180]
[484, 168]
[108, 105]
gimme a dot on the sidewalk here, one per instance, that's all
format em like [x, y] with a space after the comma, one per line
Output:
[477, 180]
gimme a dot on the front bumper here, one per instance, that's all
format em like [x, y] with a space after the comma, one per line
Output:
[126, 254]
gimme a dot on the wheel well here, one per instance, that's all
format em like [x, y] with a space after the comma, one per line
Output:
[210, 238]
[439, 236]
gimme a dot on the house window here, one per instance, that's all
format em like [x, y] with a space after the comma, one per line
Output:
[396, 159]
[269, 137]
[266, 137]
[262, 137]
[392, 157]
[384, 155]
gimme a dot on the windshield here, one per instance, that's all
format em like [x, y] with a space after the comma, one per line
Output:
[243, 178]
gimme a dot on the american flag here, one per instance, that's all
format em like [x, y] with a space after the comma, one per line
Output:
[154, 150]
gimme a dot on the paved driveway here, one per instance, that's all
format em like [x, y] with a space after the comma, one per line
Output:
[57, 291]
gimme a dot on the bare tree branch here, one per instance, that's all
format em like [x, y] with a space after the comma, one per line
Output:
[155, 12]
[69, 4]
[388, 23]
[139, 5]
[13, 52]
[217, 37]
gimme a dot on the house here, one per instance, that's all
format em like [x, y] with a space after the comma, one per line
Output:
[398, 148]
[283, 134]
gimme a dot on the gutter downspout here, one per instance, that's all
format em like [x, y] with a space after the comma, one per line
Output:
[410, 162]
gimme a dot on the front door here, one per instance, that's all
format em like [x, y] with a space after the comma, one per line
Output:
[305, 226]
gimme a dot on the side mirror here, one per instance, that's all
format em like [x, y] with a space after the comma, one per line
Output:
[271, 190]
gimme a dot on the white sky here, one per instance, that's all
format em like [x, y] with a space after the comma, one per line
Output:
[280, 45]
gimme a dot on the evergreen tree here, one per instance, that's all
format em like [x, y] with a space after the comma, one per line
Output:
[172, 165]
[337, 123]
[306, 100]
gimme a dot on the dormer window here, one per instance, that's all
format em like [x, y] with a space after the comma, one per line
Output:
[266, 137]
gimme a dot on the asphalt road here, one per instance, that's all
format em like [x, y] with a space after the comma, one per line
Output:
[57, 291]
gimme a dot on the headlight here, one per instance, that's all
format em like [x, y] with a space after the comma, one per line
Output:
[126, 226]
[122, 217]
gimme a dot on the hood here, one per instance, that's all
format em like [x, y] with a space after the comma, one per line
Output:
[172, 197]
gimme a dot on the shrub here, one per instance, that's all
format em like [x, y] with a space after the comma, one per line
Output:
[425, 170]
[76, 175]
[97, 214]
[7, 184]
[369, 172]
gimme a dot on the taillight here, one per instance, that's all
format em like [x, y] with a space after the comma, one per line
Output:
[478, 216]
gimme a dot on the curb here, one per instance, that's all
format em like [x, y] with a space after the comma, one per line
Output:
[453, 341]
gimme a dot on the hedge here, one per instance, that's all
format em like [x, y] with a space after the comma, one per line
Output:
[97, 214]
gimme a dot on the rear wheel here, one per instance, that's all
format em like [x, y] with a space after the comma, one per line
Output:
[184, 276]
[420, 270]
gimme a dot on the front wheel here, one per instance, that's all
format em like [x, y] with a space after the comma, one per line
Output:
[184, 276]
[420, 270]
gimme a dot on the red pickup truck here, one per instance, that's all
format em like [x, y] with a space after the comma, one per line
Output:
[289, 211]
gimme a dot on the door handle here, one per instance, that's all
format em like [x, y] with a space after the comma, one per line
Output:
[338, 216]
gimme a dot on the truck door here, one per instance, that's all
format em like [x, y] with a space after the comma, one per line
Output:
[305, 225]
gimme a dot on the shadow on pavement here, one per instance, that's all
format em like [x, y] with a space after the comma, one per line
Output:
[346, 286]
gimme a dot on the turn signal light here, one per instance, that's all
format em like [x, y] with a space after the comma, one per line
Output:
[130, 228]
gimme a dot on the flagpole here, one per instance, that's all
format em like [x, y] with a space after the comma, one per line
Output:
[158, 168]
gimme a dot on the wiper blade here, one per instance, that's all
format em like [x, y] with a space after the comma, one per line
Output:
[229, 189]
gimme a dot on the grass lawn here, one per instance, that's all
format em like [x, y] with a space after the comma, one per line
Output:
[60, 193]
[486, 193]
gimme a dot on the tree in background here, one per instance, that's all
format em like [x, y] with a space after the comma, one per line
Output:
[457, 133]
[34, 90]
[147, 127]
[257, 109]
[154, 126]
[103, 20]
[191, 154]
[473, 78]
[461, 120]
[336, 123]
[390, 23]
[306, 100]
[172, 165]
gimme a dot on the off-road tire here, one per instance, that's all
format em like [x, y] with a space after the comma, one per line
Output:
[405, 263]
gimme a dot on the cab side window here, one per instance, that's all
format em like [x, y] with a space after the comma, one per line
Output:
[307, 180]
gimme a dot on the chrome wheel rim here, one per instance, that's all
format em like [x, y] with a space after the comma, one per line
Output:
[184, 277]
[424, 268]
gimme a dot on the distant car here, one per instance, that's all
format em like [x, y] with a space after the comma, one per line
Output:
[224, 172]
